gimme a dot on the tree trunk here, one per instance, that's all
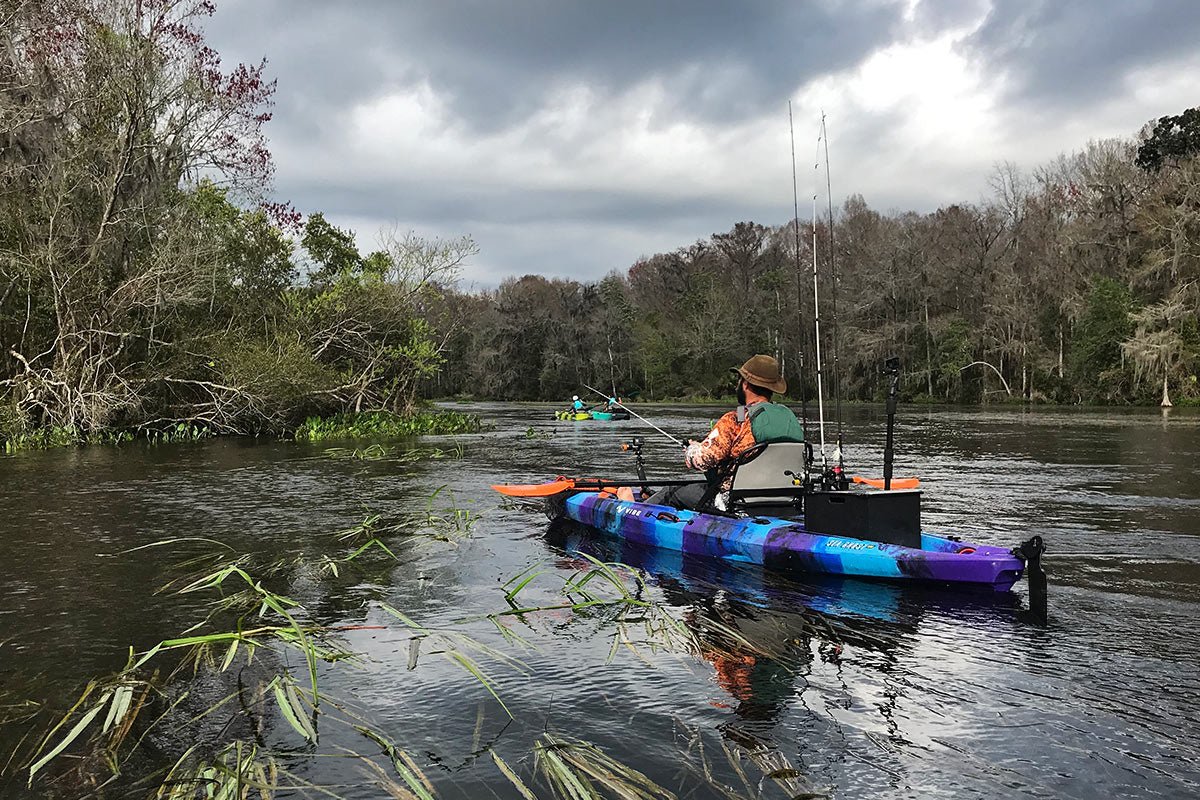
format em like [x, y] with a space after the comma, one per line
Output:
[1060, 350]
[928, 354]
[1166, 398]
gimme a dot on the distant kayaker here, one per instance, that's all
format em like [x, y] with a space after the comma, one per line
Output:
[756, 420]
[576, 403]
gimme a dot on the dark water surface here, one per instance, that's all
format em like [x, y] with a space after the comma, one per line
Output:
[851, 688]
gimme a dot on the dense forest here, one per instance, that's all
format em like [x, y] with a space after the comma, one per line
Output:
[147, 281]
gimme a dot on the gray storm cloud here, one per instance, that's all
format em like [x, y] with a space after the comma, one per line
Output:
[546, 130]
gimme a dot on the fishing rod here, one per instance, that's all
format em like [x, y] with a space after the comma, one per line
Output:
[817, 316]
[618, 404]
[799, 279]
[837, 349]
[612, 375]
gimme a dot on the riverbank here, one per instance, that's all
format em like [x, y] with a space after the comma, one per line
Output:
[364, 425]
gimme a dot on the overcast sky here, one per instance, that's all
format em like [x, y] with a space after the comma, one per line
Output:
[571, 138]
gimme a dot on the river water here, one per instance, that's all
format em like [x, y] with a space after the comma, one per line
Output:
[778, 686]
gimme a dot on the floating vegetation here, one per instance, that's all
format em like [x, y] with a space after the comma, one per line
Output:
[444, 521]
[533, 433]
[767, 759]
[456, 647]
[614, 596]
[16, 437]
[249, 656]
[385, 425]
[574, 769]
[379, 452]
[448, 521]
[20, 439]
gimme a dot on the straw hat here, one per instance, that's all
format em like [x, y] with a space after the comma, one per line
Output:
[762, 371]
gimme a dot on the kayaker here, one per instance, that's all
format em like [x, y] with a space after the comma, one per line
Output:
[576, 404]
[756, 420]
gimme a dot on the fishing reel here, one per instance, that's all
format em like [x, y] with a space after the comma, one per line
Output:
[635, 445]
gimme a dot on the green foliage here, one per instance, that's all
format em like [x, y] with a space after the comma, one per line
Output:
[1095, 361]
[989, 301]
[1172, 139]
[954, 351]
[331, 249]
[255, 257]
[23, 438]
[385, 425]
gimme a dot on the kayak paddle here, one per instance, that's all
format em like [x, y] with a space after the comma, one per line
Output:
[897, 483]
[561, 484]
[535, 489]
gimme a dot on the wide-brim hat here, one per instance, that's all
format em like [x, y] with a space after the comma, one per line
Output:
[762, 371]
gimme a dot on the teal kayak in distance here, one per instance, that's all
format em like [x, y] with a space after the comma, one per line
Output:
[610, 415]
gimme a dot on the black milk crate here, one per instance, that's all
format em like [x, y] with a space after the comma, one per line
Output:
[892, 517]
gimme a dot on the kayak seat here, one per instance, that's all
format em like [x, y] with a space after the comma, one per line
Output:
[761, 484]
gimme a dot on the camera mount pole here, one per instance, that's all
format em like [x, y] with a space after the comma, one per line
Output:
[891, 367]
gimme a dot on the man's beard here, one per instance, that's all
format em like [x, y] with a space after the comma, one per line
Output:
[741, 394]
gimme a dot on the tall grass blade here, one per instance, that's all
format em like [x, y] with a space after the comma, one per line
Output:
[122, 697]
[517, 783]
[297, 720]
[473, 668]
[84, 721]
[405, 767]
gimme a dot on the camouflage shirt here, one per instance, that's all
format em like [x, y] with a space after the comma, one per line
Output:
[728, 438]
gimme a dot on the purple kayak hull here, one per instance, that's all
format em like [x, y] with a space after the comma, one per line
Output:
[785, 544]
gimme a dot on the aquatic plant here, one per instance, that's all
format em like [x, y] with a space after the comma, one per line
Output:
[574, 768]
[245, 640]
[385, 425]
[214, 689]
[22, 439]
[615, 595]
[379, 452]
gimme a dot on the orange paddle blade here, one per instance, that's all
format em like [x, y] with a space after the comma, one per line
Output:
[897, 483]
[535, 489]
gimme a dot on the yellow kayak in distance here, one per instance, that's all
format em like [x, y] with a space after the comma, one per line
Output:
[572, 415]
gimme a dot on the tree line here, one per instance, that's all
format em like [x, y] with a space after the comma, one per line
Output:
[1076, 282]
[146, 281]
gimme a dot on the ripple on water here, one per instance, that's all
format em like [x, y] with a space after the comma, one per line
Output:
[867, 689]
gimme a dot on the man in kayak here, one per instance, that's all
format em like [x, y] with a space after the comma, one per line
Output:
[755, 421]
